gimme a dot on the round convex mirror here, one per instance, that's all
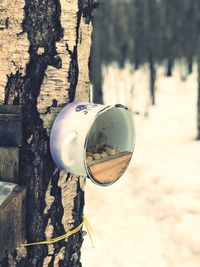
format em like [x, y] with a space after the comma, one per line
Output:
[109, 145]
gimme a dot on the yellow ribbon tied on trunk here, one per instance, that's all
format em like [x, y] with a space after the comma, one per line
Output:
[69, 233]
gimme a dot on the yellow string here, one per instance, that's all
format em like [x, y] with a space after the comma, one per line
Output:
[89, 229]
[69, 233]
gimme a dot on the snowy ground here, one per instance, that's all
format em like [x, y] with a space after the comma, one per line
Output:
[151, 216]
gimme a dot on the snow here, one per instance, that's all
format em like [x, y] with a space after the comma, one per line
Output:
[151, 216]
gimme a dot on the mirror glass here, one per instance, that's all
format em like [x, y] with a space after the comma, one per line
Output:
[110, 145]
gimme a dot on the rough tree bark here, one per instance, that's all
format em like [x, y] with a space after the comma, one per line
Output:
[44, 51]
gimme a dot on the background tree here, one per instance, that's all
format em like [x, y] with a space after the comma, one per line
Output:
[146, 31]
[96, 60]
[151, 39]
[137, 26]
[196, 16]
[45, 47]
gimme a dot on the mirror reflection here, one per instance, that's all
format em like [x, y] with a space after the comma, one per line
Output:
[109, 146]
[106, 163]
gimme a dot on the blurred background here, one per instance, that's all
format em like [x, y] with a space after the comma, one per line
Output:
[146, 55]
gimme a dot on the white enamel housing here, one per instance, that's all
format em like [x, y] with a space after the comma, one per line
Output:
[80, 125]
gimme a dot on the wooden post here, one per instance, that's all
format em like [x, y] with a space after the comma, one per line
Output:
[12, 196]
[9, 164]
[12, 218]
[10, 141]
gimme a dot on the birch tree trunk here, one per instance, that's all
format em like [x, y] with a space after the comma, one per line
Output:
[44, 51]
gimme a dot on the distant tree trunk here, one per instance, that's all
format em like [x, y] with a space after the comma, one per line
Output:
[95, 63]
[96, 80]
[45, 47]
[137, 64]
[198, 97]
[152, 71]
[169, 67]
[190, 65]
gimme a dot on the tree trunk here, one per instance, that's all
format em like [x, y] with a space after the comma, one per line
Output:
[137, 64]
[96, 72]
[152, 80]
[198, 97]
[96, 64]
[169, 67]
[190, 65]
[44, 53]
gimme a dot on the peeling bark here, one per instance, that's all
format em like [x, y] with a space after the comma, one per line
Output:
[45, 46]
